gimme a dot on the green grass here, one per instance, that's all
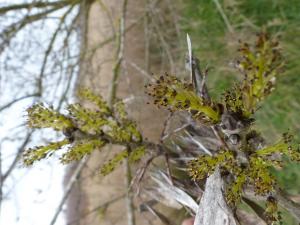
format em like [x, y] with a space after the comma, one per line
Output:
[216, 47]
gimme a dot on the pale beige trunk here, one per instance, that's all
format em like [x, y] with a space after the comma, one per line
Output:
[96, 72]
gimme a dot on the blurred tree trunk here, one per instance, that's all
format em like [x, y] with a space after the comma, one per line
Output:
[100, 22]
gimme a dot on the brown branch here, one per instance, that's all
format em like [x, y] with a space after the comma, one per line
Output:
[69, 188]
[222, 13]
[40, 4]
[119, 56]
[96, 209]
[17, 100]
[17, 157]
[14, 28]
[50, 47]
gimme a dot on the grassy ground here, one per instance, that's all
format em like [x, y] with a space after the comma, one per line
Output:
[216, 46]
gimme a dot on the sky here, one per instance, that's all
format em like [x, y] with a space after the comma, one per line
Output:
[31, 195]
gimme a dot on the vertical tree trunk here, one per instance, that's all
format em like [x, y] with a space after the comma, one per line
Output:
[99, 24]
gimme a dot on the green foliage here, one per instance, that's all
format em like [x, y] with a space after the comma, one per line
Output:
[40, 152]
[168, 91]
[86, 94]
[247, 164]
[112, 163]
[137, 153]
[40, 116]
[280, 110]
[272, 214]
[81, 148]
[86, 129]
[256, 173]
[260, 66]
[205, 165]
[132, 155]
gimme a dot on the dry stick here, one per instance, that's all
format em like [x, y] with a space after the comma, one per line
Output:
[109, 16]
[147, 37]
[17, 157]
[111, 100]
[162, 39]
[257, 209]
[1, 180]
[283, 200]
[14, 28]
[219, 8]
[41, 4]
[71, 68]
[104, 205]
[212, 202]
[80, 166]
[140, 70]
[17, 100]
[163, 134]
[50, 46]
[120, 55]
[69, 188]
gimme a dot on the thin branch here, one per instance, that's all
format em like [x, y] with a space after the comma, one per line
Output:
[17, 100]
[220, 9]
[109, 16]
[40, 4]
[292, 207]
[120, 55]
[50, 47]
[17, 157]
[258, 210]
[104, 205]
[14, 28]
[69, 188]
[1, 180]
[163, 40]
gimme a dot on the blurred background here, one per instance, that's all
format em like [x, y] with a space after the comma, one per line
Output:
[49, 48]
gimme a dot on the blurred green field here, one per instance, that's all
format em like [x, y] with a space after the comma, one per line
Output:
[216, 48]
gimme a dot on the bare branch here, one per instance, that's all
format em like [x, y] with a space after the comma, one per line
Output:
[17, 100]
[227, 23]
[40, 4]
[17, 157]
[69, 188]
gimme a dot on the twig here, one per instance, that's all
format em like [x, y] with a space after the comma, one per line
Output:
[17, 157]
[160, 216]
[129, 200]
[258, 210]
[40, 4]
[139, 69]
[227, 23]
[198, 78]
[50, 46]
[120, 55]
[1, 180]
[109, 16]
[69, 188]
[111, 100]
[162, 39]
[104, 205]
[17, 100]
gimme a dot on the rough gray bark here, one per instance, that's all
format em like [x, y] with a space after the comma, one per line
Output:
[213, 208]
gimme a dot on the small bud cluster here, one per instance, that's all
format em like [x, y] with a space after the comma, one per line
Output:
[260, 65]
[41, 116]
[86, 130]
[256, 173]
[169, 92]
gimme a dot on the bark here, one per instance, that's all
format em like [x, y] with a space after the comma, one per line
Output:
[213, 208]
[96, 72]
